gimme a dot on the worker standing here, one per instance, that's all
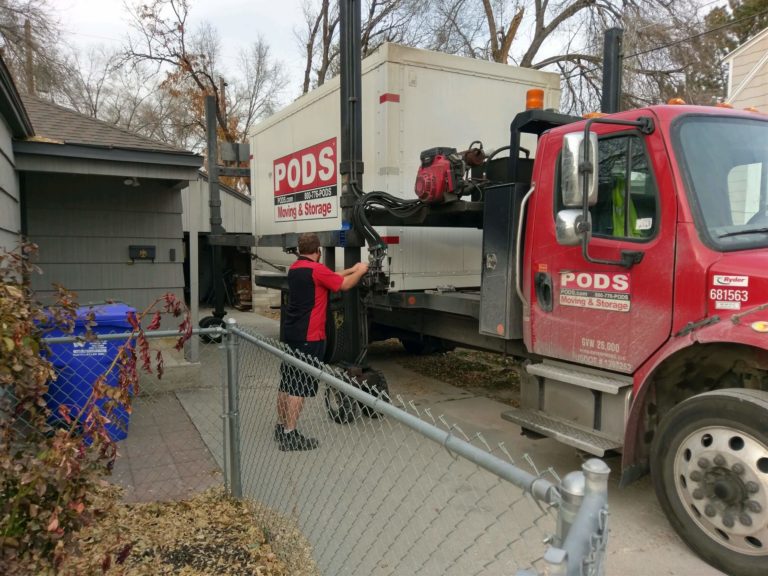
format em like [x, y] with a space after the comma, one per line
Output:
[309, 282]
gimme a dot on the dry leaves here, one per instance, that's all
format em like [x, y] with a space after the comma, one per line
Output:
[208, 534]
[481, 373]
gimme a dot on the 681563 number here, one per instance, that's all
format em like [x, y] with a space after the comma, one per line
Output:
[728, 295]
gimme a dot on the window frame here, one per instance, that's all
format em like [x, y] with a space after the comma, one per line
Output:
[652, 173]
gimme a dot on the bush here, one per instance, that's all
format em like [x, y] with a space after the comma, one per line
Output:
[49, 477]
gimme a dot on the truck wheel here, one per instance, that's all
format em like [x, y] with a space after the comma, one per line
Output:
[709, 464]
[376, 385]
[341, 408]
[425, 345]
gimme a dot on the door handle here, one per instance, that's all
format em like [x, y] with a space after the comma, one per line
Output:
[543, 285]
[631, 257]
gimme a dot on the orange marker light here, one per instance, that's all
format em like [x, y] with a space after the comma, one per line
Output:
[534, 99]
[589, 115]
[752, 109]
[723, 105]
[676, 101]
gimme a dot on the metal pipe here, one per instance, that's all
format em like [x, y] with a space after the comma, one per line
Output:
[216, 331]
[572, 493]
[233, 411]
[539, 488]
[588, 529]
[214, 202]
[518, 248]
[612, 63]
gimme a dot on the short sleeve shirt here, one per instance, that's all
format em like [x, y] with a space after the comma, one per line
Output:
[308, 286]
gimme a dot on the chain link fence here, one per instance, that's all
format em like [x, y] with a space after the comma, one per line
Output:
[170, 443]
[386, 488]
[383, 487]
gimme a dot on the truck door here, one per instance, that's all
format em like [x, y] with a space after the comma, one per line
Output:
[607, 316]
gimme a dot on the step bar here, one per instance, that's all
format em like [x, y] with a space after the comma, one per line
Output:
[585, 377]
[562, 430]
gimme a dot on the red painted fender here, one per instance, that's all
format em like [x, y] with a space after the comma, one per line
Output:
[742, 329]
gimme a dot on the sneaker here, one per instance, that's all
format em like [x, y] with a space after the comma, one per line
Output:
[279, 432]
[296, 441]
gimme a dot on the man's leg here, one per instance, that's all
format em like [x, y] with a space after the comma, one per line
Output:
[282, 408]
[294, 405]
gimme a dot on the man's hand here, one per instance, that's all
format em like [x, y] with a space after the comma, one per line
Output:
[353, 275]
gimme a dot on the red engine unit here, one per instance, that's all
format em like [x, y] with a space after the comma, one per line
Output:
[439, 175]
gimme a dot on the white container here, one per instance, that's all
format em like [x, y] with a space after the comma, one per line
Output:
[412, 100]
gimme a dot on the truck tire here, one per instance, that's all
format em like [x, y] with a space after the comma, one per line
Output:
[341, 408]
[709, 465]
[376, 385]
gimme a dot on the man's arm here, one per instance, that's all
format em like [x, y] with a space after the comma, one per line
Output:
[353, 275]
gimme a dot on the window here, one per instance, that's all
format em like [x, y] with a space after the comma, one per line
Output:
[744, 192]
[724, 163]
[626, 194]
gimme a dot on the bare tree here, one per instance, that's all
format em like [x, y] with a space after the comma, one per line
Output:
[260, 84]
[89, 80]
[190, 64]
[382, 21]
[319, 40]
[31, 40]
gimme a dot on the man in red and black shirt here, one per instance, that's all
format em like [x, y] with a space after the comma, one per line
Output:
[309, 282]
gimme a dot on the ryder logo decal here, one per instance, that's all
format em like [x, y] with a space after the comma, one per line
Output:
[598, 291]
[740, 281]
[305, 183]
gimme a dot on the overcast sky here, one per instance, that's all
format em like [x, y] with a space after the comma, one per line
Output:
[239, 22]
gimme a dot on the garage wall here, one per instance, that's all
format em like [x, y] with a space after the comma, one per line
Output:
[235, 209]
[84, 226]
[10, 219]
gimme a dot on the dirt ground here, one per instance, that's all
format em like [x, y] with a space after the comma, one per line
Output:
[480, 373]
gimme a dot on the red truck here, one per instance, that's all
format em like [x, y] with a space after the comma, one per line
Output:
[644, 290]
[627, 266]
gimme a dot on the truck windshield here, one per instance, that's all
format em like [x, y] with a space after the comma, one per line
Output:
[725, 164]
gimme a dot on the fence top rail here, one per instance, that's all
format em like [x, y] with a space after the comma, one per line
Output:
[216, 331]
[540, 488]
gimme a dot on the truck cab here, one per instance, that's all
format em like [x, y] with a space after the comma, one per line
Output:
[644, 288]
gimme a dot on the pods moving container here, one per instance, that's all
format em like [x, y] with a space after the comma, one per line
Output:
[412, 100]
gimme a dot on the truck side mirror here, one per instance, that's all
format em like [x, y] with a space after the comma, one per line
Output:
[570, 227]
[573, 167]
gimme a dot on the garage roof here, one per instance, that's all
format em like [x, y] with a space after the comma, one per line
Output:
[70, 142]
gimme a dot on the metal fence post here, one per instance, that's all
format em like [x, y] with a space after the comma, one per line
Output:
[572, 494]
[233, 411]
[597, 472]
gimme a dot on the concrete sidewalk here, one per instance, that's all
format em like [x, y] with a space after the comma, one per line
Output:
[164, 456]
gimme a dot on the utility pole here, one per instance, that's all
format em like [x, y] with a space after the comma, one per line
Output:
[28, 64]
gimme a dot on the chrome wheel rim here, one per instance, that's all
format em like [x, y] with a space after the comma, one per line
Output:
[721, 476]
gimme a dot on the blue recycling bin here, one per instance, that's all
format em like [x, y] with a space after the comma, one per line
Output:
[79, 364]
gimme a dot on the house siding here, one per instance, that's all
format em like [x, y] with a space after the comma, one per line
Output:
[10, 214]
[84, 226]
[741, 65]
[235, 211]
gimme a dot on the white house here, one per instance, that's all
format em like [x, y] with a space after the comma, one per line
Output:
[748, 74]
